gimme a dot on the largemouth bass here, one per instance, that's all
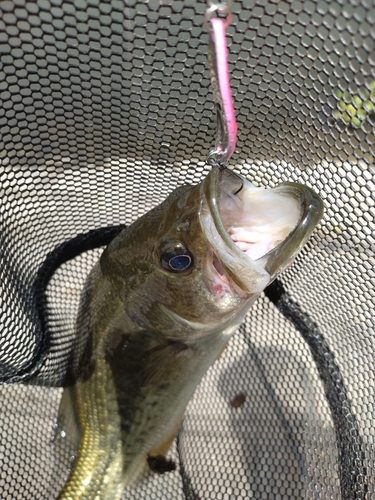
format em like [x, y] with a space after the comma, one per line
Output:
[158, 309]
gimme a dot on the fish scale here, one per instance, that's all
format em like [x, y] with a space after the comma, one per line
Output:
[98, 470]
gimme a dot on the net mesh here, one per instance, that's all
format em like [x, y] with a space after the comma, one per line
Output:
[107, 107]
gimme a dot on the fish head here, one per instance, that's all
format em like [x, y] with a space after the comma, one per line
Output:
[193, 265]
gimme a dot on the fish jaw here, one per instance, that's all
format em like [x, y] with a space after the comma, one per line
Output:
[254, 233]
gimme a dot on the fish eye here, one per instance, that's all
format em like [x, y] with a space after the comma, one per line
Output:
[176, 259]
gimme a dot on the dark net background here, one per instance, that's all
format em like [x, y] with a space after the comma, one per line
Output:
[106, 107]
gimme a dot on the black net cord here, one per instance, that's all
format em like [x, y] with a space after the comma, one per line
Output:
[61, 254]
[353, 474]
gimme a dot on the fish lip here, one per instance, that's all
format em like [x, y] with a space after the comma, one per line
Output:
[275, 261]
[192, 325]
[312, 210]
[199, 330]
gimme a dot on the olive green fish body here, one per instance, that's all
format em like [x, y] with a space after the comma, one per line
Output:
[158, 308]
[137, 393]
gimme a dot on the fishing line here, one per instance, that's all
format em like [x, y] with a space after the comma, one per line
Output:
[296, 446]
[187, 485]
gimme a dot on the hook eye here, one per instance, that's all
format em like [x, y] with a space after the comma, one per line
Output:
[218, 7]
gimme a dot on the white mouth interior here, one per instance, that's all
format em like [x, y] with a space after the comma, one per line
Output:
[257, 219]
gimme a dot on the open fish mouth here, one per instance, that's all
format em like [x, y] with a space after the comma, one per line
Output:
[255, 233]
